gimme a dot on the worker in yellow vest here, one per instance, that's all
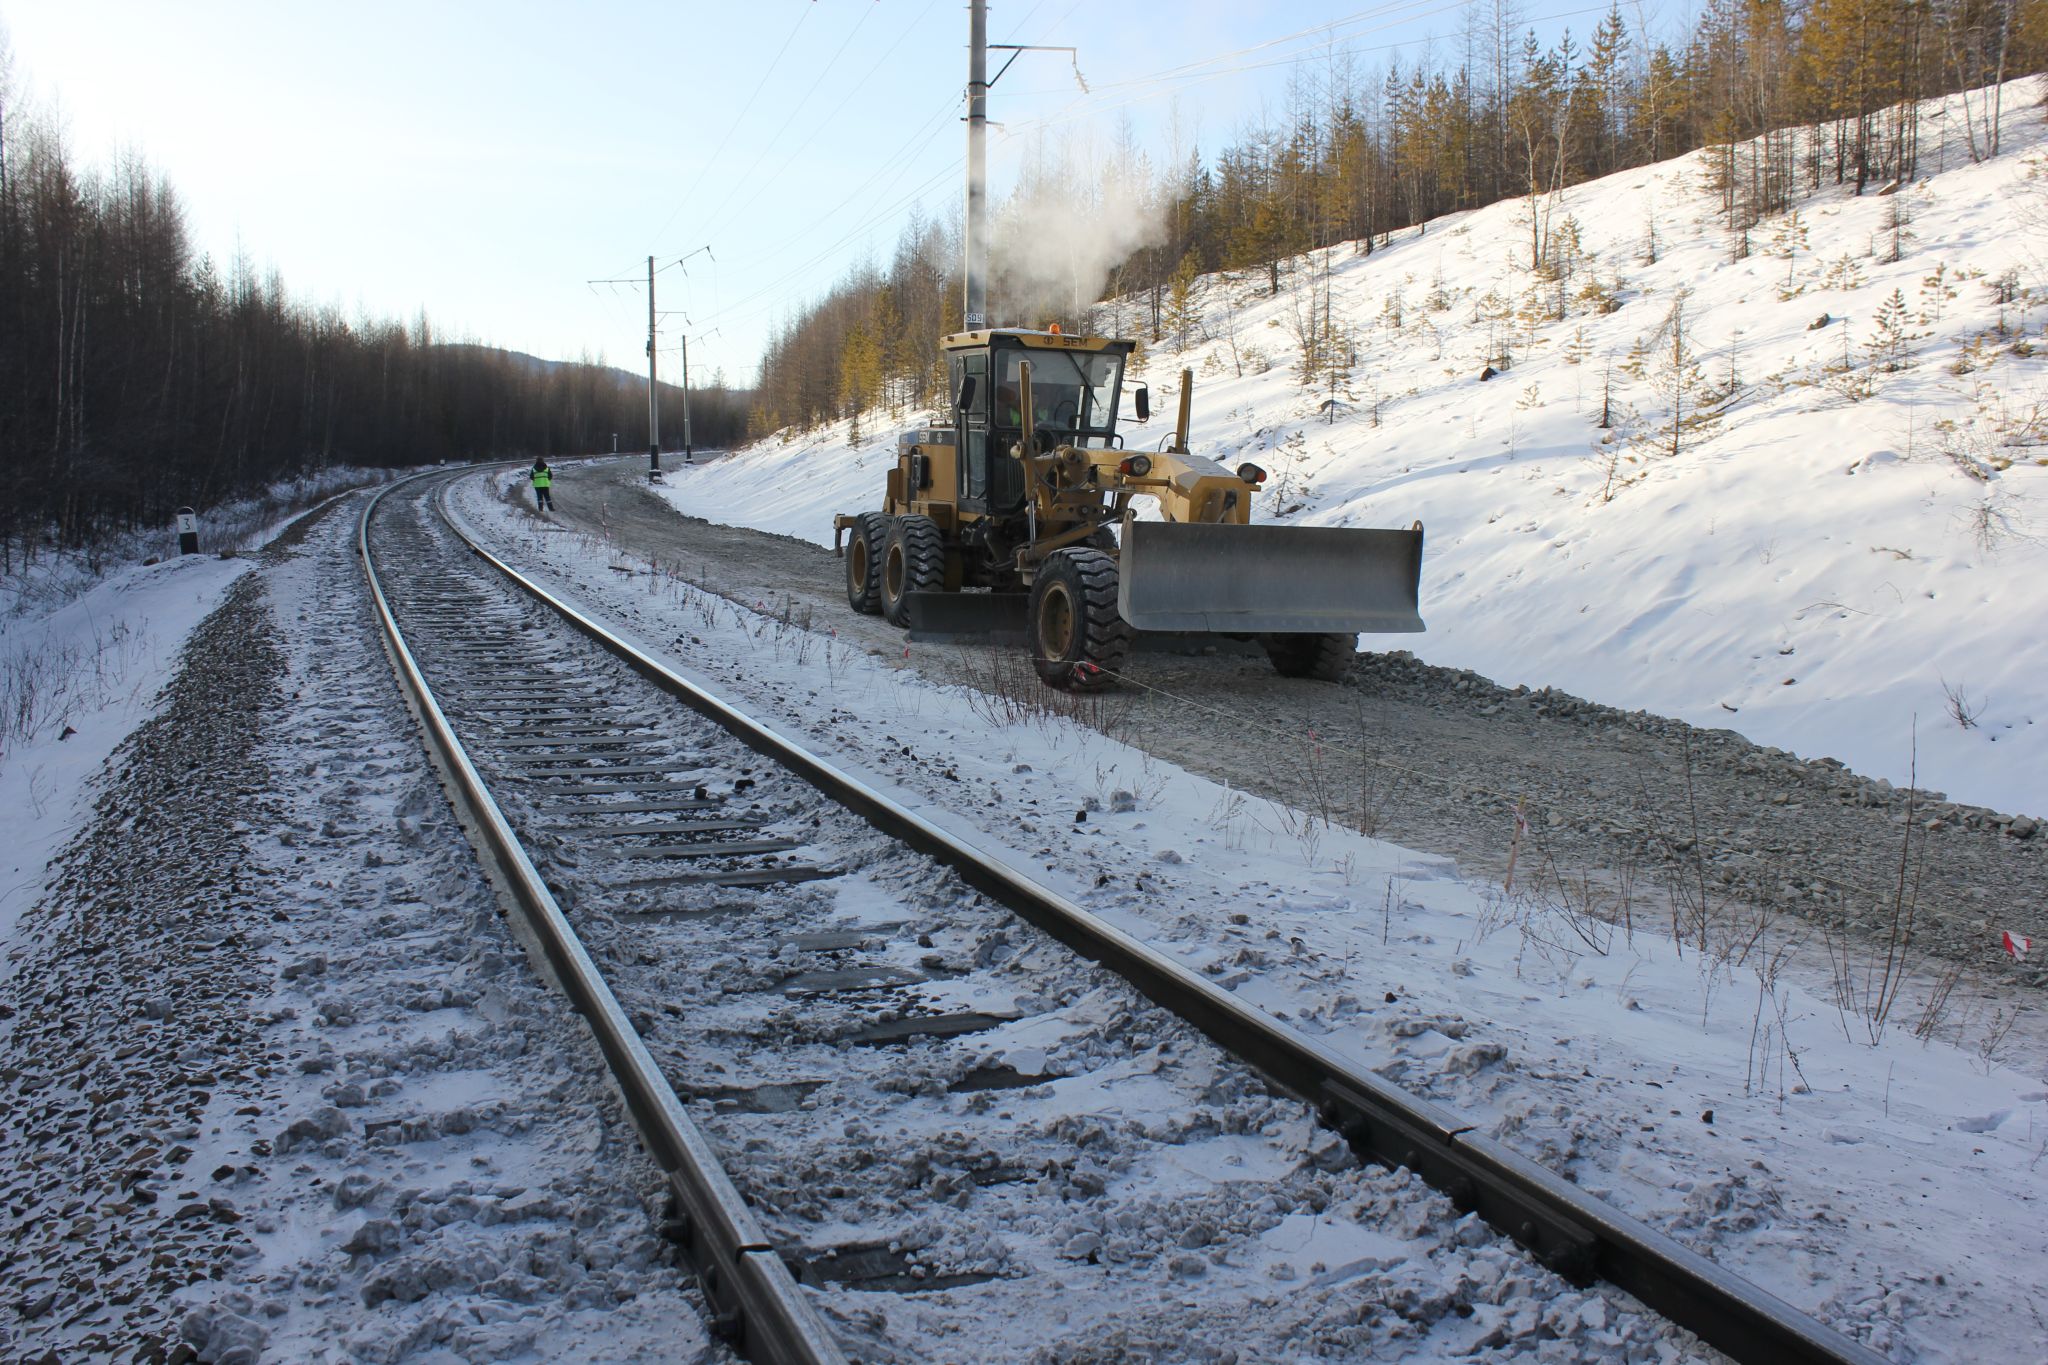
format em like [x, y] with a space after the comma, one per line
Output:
[543, 480]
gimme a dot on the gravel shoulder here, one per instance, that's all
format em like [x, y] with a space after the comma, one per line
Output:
[1640, 814]
[129, 1007]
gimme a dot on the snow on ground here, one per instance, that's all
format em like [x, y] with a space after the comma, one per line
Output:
[1842, 561]
[1886, 1182]
[85, 644]
[91, 668]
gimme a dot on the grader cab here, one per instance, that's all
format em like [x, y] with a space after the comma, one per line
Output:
[1030, 488]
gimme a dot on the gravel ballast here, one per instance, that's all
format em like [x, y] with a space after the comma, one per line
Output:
[288, 1086]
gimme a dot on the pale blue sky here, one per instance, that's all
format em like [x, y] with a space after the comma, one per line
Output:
[484, 160]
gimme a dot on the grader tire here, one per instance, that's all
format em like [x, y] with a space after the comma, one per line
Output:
[864, 562]
[913, 560]
[1078, 641]
[1325, 657]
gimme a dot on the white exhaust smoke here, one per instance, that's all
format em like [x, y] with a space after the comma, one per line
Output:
[1073, 218]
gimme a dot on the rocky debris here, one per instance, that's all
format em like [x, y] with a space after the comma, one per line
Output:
[376, 1237]
[355, 1189]
[315, 965]
[1656, 799]
[325, 1122]
[135, 978]
[223, 1332]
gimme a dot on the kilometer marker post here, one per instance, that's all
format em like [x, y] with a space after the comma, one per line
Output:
[1515, 847]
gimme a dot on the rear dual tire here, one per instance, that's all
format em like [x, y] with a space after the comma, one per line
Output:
[864, 562]
[913, 560]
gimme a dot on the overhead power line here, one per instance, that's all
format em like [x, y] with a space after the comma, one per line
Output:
[1105, 97]
[1136, 90]
[738, 122]
[675, 262]
[728, 212]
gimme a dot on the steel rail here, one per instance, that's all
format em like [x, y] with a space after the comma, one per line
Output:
[1580, 1237]
[755, 1300]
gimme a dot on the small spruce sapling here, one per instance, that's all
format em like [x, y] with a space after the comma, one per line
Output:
[1935, 293]
[1788, 239]
[1390, 313]
[1439, 296]
[1678, 378]
[1183, 311]
[1887, 345]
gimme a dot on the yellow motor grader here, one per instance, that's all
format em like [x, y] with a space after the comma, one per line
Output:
[1028, 488]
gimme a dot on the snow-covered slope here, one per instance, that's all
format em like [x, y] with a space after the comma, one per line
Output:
[77, 682]
[1847, 560]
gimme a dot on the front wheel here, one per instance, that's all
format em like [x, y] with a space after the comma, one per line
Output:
[1078, 641]
[1324, 657]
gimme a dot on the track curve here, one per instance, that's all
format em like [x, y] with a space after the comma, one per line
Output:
[456, 586]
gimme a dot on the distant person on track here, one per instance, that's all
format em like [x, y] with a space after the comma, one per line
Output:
[543, 482]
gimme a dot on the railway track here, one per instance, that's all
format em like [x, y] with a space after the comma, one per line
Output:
[862, 1074]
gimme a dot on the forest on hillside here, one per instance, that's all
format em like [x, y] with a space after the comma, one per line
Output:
[137, 375]
[1359, 154]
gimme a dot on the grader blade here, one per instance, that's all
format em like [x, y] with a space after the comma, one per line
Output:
[1231, 579]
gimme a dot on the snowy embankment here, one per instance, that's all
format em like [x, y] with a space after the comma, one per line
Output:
[1872, 1163]
[74, 684]
[1842, 559]
[86, 641]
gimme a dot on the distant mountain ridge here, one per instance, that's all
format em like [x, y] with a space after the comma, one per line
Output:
[535, 365]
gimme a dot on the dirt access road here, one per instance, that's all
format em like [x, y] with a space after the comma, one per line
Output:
[1627, 811]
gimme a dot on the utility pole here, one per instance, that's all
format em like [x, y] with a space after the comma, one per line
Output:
[689, 456]
[653, 396]
[653, 338]
[974, 310]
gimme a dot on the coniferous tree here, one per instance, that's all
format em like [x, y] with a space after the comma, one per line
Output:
[1182, 310]
[136, 376]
